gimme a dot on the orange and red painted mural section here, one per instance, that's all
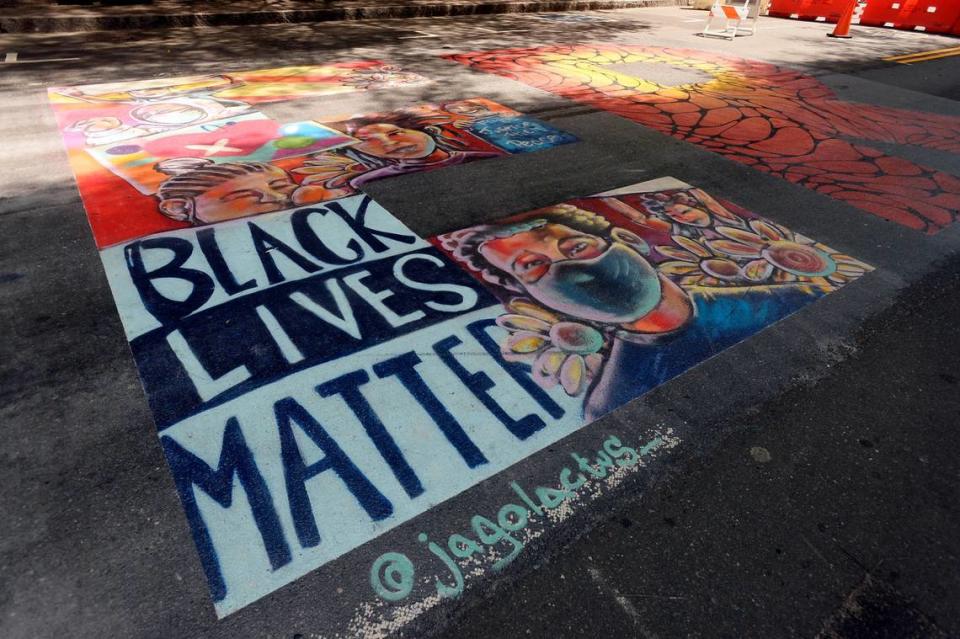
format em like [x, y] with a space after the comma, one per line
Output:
[777, 120]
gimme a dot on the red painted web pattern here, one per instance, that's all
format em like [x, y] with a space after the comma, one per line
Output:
[774, 119]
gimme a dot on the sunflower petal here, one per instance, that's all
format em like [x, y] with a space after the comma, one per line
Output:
[757, 270]
[677, 268]
[676, 253]
[782, 277]
[721, 268]
[526, 307]
[515, 322]
[739, 235]
[546, 368]
[768, 230]
[525, 342]
[727, 216]
[517, 358]
[851, 269]
[594, 362]
[573, 375]
[734, 249]
[693, 246]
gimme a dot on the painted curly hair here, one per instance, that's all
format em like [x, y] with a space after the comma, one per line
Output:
[465, 243]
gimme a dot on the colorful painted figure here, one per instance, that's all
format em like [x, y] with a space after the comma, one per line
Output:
[181, 112]
[575, 262]
[102, 130]
[606, 300]
[201, 192]
[143, 148]
[385, 149]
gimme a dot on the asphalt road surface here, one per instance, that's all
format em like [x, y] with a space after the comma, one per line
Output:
[814, 488]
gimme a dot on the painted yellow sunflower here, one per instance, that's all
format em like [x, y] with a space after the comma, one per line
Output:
[765, 254]
[558, 351]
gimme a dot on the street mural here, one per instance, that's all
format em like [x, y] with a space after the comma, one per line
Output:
[609, 296]
[161, 155]
[772, 118]
[320, 374]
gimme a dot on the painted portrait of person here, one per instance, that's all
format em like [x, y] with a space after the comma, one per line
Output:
[384, 148]
[592, 306]
[100, 130]
[185, 111]
[463, 113]
[152, 90]
[199, 191]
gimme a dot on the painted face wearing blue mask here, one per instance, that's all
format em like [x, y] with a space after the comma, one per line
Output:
[616, 287]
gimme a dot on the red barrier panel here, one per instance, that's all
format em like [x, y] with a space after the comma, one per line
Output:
[827, 10]
[935, 16]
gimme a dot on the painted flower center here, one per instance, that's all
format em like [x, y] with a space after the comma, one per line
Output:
[576, 338]
[799, 259]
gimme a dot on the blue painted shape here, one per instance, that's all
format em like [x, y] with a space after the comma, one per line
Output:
[519, 133]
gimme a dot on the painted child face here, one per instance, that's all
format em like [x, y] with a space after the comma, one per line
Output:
[579, 274]
[470, 109]
[388, 141]
[170, 113]
[96, 125]
[528, 255]
[247, 194]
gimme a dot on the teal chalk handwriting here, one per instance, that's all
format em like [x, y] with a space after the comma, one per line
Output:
[392, 574]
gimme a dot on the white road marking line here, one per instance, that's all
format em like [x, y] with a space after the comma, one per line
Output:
[46, 60]
[423, 34]
[506, 30]
[12, 58]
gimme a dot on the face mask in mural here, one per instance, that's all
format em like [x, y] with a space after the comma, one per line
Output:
[618, 286]
[596, 286]
[580, 274]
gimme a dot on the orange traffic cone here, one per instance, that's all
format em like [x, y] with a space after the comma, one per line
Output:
[842, 30]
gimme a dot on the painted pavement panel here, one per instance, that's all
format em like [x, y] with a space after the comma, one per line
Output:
[151, 157]
[319, 374]
[774, 119]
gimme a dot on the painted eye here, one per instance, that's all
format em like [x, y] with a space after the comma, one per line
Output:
[581, 247]
[531, 266]
[527, 266]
